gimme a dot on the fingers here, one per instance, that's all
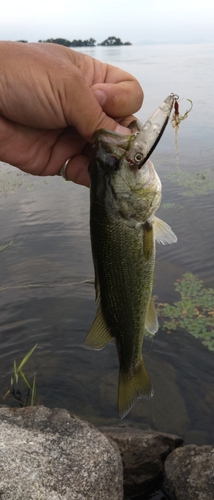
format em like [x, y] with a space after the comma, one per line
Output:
[102, 96]
[77, 170]
[119, 99]
[43, 152]
[85, 112]
[57, 87]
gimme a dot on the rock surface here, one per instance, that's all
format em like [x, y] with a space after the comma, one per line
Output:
[190, 473]
[143, 454]
[52, 455]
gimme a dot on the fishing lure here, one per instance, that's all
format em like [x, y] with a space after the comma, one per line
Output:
[177, 118]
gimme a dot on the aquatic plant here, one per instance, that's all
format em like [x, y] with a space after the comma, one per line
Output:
[11, 180]
[195, 183]
[194, 312]
[31, 389]
[169, 206]
[6, 246]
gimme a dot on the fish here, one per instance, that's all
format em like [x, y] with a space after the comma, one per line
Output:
[125, 193]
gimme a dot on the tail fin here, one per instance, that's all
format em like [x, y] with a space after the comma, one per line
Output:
[133, 387]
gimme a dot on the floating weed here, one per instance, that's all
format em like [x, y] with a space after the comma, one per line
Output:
[10, 181]
[194, 312]
[168, 206]
[31, 389]
[196, 183]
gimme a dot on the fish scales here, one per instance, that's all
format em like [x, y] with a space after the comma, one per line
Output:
[125, 286]
[125, 193]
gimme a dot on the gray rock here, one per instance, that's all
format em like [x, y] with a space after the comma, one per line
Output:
[52, 455]
[190, 473]
[143, 454]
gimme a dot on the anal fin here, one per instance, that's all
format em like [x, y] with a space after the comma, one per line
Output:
[99, 335]
[151, 323]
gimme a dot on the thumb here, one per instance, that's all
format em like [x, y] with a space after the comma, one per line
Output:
[120, 99]
[103, 99]
[84, 111]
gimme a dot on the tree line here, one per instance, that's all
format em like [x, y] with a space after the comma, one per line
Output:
[110, 41]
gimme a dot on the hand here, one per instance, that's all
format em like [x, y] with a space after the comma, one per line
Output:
[52, 99]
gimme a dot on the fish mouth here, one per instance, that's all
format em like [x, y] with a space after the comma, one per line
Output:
[138, 146]
[148, 136]
[111, 147]
[141, 157]
[112, 141]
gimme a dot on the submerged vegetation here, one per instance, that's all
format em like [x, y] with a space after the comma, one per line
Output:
[2, 247]
[11, 179]
[195, 183]
[169, 206]
[26, 396]
[194, 312]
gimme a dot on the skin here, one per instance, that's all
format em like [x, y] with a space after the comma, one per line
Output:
[52, 99]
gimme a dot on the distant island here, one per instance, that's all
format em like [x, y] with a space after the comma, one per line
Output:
[109, 42]
[112, 40]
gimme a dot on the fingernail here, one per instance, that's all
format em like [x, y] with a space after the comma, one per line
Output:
[122, 130]
[100, 96]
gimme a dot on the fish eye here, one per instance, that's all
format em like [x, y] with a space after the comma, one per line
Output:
[112, 162]
[138, 158]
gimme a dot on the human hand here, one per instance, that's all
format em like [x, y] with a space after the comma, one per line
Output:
[52, 99]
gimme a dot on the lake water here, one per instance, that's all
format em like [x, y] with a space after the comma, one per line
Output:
[43, 300]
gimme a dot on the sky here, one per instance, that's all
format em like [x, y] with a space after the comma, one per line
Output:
[161, 21]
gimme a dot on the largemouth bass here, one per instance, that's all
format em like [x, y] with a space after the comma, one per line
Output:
[125, 194]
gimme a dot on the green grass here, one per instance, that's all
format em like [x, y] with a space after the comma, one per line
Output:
[18, 395]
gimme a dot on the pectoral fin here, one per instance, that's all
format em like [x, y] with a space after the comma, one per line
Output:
[163, 233]
[151, 323]
[99, 335]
